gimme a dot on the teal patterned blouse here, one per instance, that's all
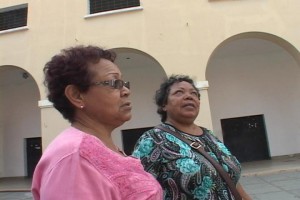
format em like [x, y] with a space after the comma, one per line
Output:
[183, 172]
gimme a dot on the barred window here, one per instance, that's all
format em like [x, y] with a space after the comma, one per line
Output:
[108, 5]
[13, 17]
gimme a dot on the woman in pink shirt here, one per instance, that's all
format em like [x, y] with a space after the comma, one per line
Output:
[82, 162]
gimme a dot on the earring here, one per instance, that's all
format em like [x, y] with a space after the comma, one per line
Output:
[81, 106]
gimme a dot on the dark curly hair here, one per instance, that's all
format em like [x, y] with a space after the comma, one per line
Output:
[71, 67]
[161, 95]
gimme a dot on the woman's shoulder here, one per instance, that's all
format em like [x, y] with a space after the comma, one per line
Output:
[208, 132]
[153, 133]
[67, 142]
[159, 136]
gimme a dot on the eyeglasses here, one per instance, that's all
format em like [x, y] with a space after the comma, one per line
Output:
[116, 83]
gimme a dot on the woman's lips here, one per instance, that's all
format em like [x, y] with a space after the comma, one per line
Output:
[189, 105]
[127, 105]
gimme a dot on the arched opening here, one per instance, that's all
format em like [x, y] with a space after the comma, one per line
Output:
[254, 74]
[20, 122]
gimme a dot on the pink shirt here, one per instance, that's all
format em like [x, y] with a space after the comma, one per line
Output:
[77, 165]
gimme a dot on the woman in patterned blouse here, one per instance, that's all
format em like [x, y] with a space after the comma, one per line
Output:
[183, 172]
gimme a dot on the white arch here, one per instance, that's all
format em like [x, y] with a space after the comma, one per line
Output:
[257, 73]
[20, 118]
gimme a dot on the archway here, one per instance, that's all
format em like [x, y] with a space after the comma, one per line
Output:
[20, 119]
[257, 74]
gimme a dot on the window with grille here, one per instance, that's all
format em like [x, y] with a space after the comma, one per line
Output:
[97, 6]
[13, 17]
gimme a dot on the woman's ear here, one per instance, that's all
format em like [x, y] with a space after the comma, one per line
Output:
[74, 96]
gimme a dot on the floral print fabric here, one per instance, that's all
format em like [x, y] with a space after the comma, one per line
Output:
[182, 171]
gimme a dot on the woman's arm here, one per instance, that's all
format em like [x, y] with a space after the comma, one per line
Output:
[242, 192]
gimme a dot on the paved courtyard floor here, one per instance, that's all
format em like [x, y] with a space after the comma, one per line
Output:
[274, 186]
[276, 179]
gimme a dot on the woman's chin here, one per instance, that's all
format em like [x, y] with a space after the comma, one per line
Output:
[126, 118]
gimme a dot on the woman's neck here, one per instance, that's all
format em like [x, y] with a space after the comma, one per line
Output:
[100, 132]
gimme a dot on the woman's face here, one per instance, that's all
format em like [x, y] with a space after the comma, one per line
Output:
[102, 103]
[183, 103]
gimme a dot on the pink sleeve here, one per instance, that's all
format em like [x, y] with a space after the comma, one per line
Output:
[74, 178]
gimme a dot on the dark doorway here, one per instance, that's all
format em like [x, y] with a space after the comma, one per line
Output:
[246, 137]
[130, 137]
[33, 153]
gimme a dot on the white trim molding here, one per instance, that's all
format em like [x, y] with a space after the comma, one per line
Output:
[113, 12]
[202, 85]
[14, 29]
[45, 103]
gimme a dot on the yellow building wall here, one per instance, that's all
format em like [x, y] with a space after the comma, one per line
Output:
[180, 35]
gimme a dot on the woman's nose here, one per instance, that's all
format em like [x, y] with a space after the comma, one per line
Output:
[125, 91]
[188, 96]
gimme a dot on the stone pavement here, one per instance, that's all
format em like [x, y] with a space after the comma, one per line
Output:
[15, 196]
[276, 179]
[283, 185]
[273, 186]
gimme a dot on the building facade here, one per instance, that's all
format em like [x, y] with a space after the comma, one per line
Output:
[244, 56]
